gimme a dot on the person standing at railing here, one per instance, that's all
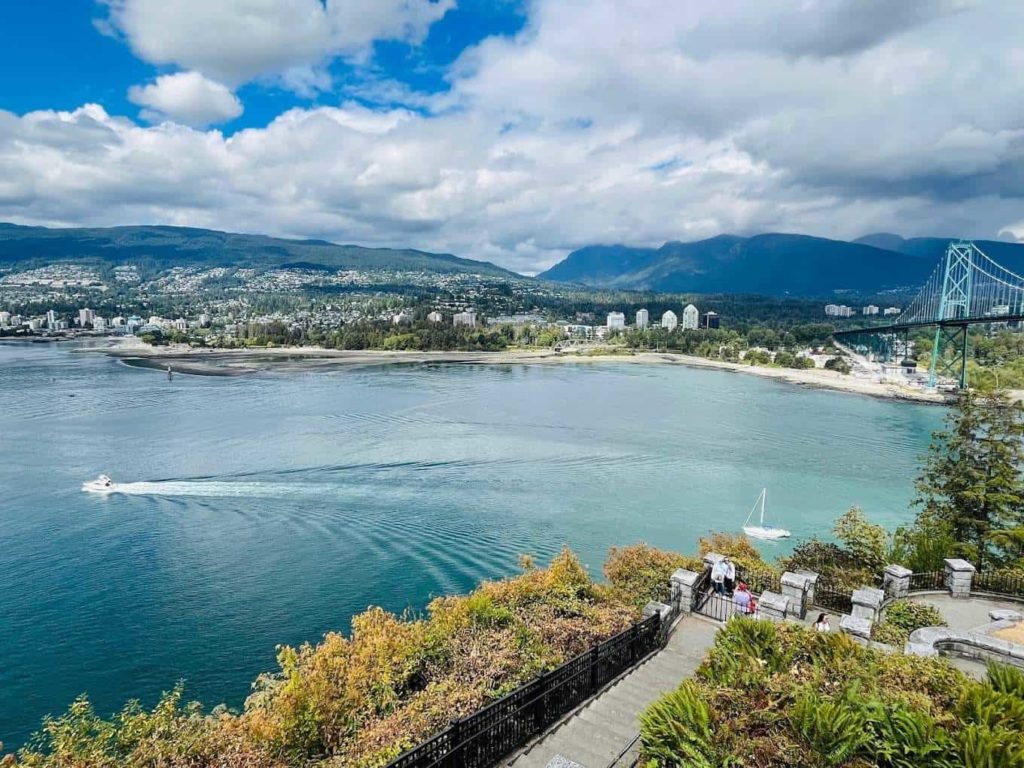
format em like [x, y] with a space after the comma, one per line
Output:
[718, 573]
[745, 602]
[730, 576]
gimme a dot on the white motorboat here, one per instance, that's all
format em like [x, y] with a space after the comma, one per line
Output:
[763, 531]
[101, 484]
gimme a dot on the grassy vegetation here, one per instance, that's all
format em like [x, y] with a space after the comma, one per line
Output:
[779, 696]
[361, 700]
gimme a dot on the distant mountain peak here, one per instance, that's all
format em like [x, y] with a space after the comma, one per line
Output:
[772, 263]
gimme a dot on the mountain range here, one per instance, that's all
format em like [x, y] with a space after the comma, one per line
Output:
[770, 264]
[162, 247]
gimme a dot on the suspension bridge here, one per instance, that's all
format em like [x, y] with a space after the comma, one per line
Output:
[966, 288]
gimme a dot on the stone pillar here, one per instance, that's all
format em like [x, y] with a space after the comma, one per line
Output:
[682, 589]
[811, 582]
[653, 607]
[772, 606]
[856, 626]
[959, 576]
[867, 603]
[896, 581]
[794, 586]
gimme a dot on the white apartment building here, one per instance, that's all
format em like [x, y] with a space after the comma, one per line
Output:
[99, 324]
[669, 321]
[467, 318]
[402, 318]
[5, 318]
[838, 310]
[616, 321]
[870, 309]
[435, 317]
[85, 316]
[643, 318]
[691, 318]
[891, 311]
[51, 319]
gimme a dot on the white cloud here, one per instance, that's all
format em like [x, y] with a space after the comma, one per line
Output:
[235, 41]
[602, 121]
[186, 97]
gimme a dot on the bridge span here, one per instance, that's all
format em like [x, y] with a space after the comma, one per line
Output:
[966, 288]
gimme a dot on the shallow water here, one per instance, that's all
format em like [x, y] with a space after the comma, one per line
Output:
[268, 509]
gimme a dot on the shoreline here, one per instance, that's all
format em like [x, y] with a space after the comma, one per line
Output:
[243, 362]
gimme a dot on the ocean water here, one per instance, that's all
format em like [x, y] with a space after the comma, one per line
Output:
[268, 509]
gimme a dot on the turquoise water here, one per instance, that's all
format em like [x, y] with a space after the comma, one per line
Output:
[269, 509]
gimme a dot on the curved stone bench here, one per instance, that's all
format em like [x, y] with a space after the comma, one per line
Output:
[973, 644]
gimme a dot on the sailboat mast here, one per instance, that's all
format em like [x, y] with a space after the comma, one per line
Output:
[764, 496]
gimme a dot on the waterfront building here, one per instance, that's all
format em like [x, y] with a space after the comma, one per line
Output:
[669, 321]
[15, 320]
[35, 323]
[643, 318]
[51, 319]
[99, 324]
[181, 324]
[616, 321]
[870, 309]
[85, 316]
[578, 331]
[118, 322]
[435, 317]
[5, 318]
[133, 323]
[402, 318]
[838, 310]
[467, 318]
[691, 318]
[891, 311]
[710, 320]
[601, 331]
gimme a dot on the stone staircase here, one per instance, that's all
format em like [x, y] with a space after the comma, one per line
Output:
[606, 727]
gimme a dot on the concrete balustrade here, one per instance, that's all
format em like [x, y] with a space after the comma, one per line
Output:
[896, 581]
[773, 606]
[682, 582]
[795, 587]
[959, 577]
[867, 603]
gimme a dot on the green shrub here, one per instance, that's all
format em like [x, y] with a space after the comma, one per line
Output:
[1006, 679]
[903, 617]
[835, 730]
[640, 572]
[677, 729]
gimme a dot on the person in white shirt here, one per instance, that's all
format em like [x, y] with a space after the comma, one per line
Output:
[718, 573]
[822, 625]
[730, 576]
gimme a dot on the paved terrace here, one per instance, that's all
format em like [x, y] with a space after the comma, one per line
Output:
[607, 726]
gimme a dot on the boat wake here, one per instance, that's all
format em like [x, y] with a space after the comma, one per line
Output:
[222, 489]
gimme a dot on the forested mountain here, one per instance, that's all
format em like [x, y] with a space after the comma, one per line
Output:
[769, 264]
[162, 247]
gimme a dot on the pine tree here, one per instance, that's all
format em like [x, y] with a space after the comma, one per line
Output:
[971, 481]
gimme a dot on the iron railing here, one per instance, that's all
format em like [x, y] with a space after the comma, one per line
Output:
[833, 597]
[501, 727]
[999, 582]
[927, 581]
[700, 590]
[759, 581]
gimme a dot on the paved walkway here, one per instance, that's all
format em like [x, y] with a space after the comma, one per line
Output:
[604, 728]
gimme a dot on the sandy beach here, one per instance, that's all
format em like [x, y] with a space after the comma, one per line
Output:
[241, 362]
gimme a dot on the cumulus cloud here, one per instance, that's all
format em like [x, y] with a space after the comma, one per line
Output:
[187, 97]
[602, 121]
[235, 41]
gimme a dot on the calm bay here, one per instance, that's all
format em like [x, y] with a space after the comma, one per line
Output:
[268, 509]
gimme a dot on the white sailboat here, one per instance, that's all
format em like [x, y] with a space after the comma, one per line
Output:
[763, 531]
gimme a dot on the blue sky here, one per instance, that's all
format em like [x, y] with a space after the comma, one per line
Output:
[63, 61]
[515, 130]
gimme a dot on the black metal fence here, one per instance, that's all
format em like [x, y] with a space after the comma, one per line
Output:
[927, 581]
[833, 597]
[759, 581]
[1000, 582]
[486, 736]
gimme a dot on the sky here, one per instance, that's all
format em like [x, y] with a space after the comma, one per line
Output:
[515, 131]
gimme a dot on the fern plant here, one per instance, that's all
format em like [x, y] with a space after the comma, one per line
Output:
[1006, 679]
[979, 746]
[906, 738]
[677, 729]
[833, 729]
